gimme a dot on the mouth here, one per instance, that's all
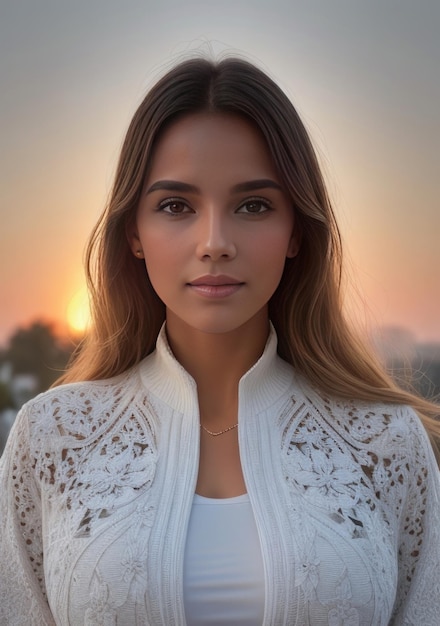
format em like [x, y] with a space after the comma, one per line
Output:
[215, 286]
[215, 280]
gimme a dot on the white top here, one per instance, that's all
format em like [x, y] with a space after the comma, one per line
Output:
[223, 575]
[97, 482]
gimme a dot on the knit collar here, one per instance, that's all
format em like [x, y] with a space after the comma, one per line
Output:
[259, 387]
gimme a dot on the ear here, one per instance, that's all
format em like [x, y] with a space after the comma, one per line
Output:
[293, 247]
[134, 241]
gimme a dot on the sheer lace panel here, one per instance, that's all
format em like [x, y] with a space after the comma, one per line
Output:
[365, 470]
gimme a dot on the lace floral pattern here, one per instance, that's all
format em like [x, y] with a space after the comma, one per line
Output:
[102, 474]
[356, 470]
[100, 611]
[95, 462]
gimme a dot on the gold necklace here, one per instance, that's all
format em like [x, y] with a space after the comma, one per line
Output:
[221, 432]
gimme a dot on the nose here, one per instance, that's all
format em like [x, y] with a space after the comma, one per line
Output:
[214, 238]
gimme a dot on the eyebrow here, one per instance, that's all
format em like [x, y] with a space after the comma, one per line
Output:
[251, 185]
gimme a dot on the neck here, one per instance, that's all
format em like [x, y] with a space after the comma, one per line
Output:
[217, 361]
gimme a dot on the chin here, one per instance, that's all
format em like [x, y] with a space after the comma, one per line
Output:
[220, 323]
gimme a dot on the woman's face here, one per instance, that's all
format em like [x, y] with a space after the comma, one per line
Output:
[214, 224]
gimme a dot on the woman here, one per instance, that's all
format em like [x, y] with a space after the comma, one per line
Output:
[245, 462]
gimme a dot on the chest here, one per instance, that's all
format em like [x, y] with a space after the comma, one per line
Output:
[324, 553]
[220, 473]
[117, 554]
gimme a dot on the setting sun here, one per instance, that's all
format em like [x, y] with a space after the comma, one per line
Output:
[78, 312]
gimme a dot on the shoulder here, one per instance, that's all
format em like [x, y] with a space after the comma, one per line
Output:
[78, 410]
[364, 422]
[385, 442]
[393, 430]
[359, 454]
[98, 428]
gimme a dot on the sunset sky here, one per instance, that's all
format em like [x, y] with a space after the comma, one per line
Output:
[364, 75]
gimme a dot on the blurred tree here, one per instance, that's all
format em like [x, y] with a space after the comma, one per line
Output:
[39, 351]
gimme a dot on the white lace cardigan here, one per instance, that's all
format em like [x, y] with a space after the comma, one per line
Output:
[98, 478]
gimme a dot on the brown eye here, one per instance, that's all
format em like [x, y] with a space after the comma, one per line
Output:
[174, 207]
[254, 207]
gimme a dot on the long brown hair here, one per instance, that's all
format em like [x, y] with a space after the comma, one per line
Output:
[306, 309]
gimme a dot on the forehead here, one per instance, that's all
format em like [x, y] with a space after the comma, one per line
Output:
[200, 142]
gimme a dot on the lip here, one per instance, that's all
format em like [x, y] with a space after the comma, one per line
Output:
[215, 280]
[215, 286]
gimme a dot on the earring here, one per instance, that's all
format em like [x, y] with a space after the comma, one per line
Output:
[139, 253]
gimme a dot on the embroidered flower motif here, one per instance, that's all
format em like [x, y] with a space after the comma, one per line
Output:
[331, 477]
[134, 566]
[143, 515]
[343, 615]
[112, 474]
[398, 429]
[307, 577]
[314, 432]
[100, 612]
[134, 563]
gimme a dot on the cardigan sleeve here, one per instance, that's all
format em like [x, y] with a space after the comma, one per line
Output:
[418, 592]
[22, 589]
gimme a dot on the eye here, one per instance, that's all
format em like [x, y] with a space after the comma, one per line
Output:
[254, 206]
[174, 206]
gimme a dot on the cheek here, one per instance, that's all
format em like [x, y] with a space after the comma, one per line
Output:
[157, 249]
[164, 263]
[269, 262]
[155, 260]
[158, 267]
[271, 249]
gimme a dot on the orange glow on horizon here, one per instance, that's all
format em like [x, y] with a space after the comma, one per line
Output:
[78, 312]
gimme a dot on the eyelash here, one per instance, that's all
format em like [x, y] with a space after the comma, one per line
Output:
[170, 201]
[262, 202]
